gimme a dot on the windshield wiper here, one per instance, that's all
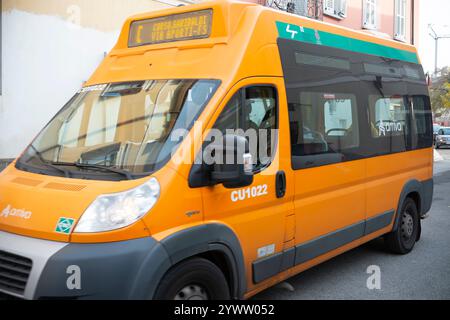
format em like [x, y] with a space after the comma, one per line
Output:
[124, 173]
[48, 164]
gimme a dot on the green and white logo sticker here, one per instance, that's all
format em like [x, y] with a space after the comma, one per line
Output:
[64, 225]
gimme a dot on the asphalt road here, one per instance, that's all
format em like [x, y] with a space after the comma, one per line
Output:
[423, 274]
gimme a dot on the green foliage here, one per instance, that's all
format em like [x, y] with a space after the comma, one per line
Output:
[440, 91]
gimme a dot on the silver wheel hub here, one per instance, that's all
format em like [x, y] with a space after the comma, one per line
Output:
[192, 292]
[407, 225]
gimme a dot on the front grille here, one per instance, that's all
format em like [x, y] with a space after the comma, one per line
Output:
[14, 272]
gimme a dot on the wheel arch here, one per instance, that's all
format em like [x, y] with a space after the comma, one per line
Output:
[412, 189]
[215, 242]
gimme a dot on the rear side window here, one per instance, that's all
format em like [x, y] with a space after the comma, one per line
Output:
[422, 122]
[345, 106]
[326, 126]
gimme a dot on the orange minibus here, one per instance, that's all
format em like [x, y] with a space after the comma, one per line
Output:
[219, 149]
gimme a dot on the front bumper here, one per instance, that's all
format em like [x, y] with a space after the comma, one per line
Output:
[120, 270]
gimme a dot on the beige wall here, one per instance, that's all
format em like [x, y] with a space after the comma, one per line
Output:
[103, 15]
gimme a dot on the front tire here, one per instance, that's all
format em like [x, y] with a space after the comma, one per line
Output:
[402, 240]
[194, 279]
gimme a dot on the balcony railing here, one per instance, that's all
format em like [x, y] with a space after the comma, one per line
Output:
[308, 8]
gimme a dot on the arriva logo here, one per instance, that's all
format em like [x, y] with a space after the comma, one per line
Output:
[12, 212]
[389, 127]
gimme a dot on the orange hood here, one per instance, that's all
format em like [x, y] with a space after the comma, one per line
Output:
[48, 207]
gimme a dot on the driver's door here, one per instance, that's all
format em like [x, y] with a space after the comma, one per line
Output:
[262, 219]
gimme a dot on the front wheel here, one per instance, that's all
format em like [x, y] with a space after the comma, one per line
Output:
[194, 279]
[437, 146]
[402, 240]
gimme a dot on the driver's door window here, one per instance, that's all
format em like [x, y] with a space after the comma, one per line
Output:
[252, 111]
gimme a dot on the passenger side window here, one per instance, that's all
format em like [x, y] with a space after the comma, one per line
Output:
[324, 128]
[253, 112]
[422, 121]
[389, 124]
[388, 116]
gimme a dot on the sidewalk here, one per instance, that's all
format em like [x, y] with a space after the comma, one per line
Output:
[437, 156]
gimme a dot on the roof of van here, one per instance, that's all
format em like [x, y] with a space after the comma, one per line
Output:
[242, 42]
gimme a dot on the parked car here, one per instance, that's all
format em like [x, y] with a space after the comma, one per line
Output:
[443, 138]
[436, 129]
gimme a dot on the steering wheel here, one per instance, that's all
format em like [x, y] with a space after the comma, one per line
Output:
[337, 130]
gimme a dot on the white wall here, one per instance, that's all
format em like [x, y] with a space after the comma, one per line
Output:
[45, 61]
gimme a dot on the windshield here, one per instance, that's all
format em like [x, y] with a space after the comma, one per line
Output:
[436, 128]
[119, 126]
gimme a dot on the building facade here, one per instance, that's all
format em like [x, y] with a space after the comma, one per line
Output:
[50, 47]
[394, 19]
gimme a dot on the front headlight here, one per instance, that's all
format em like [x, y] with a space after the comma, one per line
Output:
[114, 211]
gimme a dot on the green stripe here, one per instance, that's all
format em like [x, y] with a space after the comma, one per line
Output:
[302, 34]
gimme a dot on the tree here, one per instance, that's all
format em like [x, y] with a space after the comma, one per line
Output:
[440, 91]
[446, 97]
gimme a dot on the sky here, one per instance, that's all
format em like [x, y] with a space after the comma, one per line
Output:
[435, 12]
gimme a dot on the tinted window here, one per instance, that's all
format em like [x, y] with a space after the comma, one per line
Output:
[132, 126]
[422, 122]
[253, 110]
[323, 106]
[326, 126]
[346, 106]
[389, 124]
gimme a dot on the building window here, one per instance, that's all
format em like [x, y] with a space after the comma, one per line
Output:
[400, 20]
[299, 7]
[370, 14]
[335, 8]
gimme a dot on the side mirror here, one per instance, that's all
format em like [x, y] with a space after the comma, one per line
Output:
[233, 165]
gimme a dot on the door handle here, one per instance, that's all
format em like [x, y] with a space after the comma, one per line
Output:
[280, 184]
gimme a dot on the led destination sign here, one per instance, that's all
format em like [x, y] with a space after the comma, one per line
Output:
[184, 26]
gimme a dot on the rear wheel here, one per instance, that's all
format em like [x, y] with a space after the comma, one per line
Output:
[402, 240]
[194, 279]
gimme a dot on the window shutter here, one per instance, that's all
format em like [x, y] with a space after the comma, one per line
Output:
[365, 13]
[342, 8]
[329, 7]
[370, 14]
